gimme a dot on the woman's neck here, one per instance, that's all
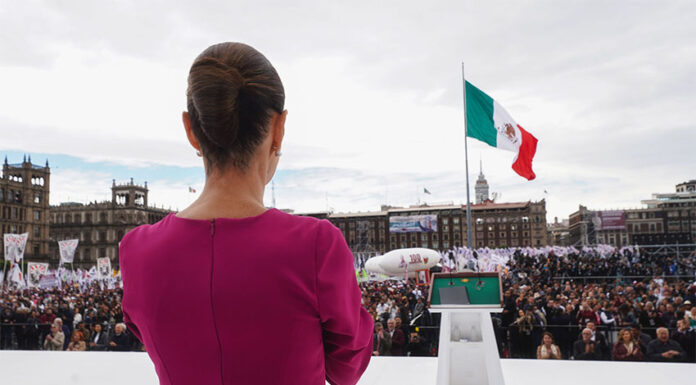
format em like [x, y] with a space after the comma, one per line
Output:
[229, 193]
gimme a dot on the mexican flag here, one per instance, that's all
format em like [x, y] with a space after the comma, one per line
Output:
[487, 121]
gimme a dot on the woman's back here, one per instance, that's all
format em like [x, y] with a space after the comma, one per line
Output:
[270, 299]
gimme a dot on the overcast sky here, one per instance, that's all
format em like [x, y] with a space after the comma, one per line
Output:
[374, 94]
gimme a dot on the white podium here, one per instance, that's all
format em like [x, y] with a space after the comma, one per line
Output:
[468, 351]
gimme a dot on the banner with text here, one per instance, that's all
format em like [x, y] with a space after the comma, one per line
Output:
[413, 224]
[14, 246]
[67, 250]
[609, 220]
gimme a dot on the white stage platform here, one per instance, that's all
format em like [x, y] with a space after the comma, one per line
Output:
[107, 368]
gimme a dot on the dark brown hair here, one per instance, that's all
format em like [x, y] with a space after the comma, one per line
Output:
[232, 93]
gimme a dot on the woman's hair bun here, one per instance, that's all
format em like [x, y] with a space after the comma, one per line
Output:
[215, 90]
[232, 92]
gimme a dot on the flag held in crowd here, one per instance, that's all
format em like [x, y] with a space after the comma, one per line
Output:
[14, 246]
[487, 121]
[103, 268]
[34, 272]
[67, 250]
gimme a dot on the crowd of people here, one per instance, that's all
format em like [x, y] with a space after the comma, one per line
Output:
[70, 318]
[635, 307]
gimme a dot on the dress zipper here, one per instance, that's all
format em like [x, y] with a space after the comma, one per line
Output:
[212, 306]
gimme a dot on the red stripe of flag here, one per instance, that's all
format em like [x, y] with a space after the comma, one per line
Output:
[523, 163]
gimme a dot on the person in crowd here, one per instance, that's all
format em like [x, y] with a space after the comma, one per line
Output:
[599, 339]
[98, 340]
[398, 340]
[643, 339]
[66, 331]
[33, 330]
[55, 340]
[525, 325]
[7, 321]
[663, 349]
[416, 346]
[419, 308]
[120, 341]
[627, 347]
[686, 337]
[403, 327]
[690, 316]
[78, 343]
[548, 350]
[381, 342]
[585, 348]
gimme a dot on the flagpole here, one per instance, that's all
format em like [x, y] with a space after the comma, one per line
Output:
[466, 157]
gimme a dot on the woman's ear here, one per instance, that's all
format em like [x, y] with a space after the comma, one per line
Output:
[278, 129]
[189, 132]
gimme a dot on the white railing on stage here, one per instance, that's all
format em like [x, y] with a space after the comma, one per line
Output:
[114, 368]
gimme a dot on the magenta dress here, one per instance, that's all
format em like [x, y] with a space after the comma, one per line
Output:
[270, 299]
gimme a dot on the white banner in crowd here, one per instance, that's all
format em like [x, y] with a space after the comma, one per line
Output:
[67, 250]
[14, 246]
[34, 272]
[16, 276]
[413, 224]
[103, 268]
[49, 281]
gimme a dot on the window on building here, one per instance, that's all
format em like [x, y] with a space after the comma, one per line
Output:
[445, 221]
[525, 234]
[445, 245]
[455, 220]
[503, 234]
[479, 243]
[525, 219]
[15, 213]
[102, 252]
[435, 245]
[513, 227]
[479, 221]
[37, 198]
[491, 243]
[36, 249]
[37, 231]
[37, 215]
[479, 235]
[88, 218]
[77, 218]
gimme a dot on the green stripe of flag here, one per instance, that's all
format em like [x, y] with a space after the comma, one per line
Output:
[479, 116]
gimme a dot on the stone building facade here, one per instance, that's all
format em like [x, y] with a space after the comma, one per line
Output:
[100, 226]
[666, 218]
[24, 205]
[494, 225]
